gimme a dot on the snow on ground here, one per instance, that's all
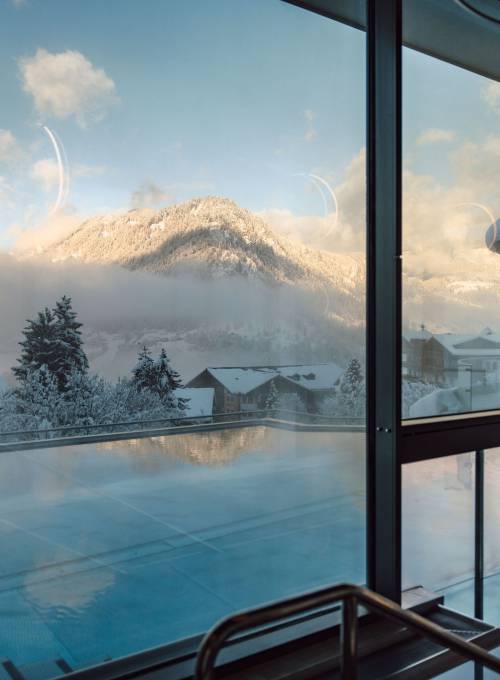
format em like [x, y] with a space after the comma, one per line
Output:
[456, 400]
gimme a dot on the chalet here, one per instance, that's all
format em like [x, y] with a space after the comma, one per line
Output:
[246, 388]
[413, 344]
[450, 359]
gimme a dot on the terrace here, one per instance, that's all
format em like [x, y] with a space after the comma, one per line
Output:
[112, 547]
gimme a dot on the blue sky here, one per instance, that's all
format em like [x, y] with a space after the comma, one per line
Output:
[196, 97]
[212, 96]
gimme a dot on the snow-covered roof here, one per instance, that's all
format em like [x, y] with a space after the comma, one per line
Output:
[420, 334]
[313, 376]
[454, 342]
[241, 380]
[201, 400]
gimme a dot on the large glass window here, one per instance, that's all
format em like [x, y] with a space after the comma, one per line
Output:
[438, 528]
[451, 239]
[182, 361]
[491, 536]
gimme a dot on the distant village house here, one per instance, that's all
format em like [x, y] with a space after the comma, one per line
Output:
[450, 359]
[247, 388]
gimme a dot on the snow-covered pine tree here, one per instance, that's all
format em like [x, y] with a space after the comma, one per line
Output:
[351, 401]
[144, 373]
[39, 347]
[39, 399]
[86, 399]
[69, 345]
[168, 381]
[272, 396]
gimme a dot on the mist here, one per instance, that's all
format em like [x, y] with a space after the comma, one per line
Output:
[204, 321]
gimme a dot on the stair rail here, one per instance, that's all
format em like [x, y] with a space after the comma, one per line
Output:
[350, 596]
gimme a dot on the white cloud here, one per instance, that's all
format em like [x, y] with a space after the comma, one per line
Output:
[18, 3]
[433, 135]
[52, 229]
[46, 171]
[66, 84]
[491, 95]
[9, 148]
[343, 234]
[6, 192]
[311, 132]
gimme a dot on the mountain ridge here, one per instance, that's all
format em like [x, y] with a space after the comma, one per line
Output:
[211, 235]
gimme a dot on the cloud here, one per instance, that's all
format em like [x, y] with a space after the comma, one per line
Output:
[6, 192]
[10, 151]
[343, 234]
[33, 239]
[66, 84]
[490, 93]
[311, 132]
[18, 3]
[433, 135]
[149, 195]
[46, 171]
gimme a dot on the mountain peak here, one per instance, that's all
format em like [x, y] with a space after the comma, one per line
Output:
[209, 236]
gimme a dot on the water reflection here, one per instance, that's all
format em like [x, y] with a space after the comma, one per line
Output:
[215, 448]
[121, 545]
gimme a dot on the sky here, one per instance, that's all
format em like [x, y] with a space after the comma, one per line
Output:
[171, 100]
[157, 102]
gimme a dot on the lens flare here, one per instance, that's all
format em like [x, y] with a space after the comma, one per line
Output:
[63, 184]
[321, 185]
[333, 197]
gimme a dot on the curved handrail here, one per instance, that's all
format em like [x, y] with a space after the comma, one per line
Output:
[346, 593]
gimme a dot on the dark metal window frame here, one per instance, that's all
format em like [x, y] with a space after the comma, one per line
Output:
[392, 442]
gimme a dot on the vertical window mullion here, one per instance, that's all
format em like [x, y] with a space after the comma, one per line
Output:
[384, 296]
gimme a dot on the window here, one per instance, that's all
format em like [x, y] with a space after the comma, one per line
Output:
[438, 528]
[450, 260]
[188, 179]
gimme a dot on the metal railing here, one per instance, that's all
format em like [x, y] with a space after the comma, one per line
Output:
[229, 416]
[350, 596]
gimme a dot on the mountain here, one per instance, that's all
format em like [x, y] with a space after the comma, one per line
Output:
[208, 237]
[214, 238]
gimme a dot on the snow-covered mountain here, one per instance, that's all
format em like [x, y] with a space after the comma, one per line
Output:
[208, 237]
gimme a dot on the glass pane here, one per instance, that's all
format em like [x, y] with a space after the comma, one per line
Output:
[491, 536]
[438, 528]
[188, 179]
[451, 208]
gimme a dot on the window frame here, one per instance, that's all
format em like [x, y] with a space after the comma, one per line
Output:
[392, 441]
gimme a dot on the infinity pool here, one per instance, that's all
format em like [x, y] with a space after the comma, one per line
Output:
[111, 548]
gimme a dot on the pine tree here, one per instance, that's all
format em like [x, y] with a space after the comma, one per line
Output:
[168, 381]
[53, 340]
[38, 346]
[352, 392]
[272, 396]
[144, 371]
[69, 345]
[39, 397]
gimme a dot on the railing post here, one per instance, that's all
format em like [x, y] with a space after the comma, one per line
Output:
[349, 639]
[479, 535]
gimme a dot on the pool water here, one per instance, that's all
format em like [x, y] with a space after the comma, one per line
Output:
[111, 548]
